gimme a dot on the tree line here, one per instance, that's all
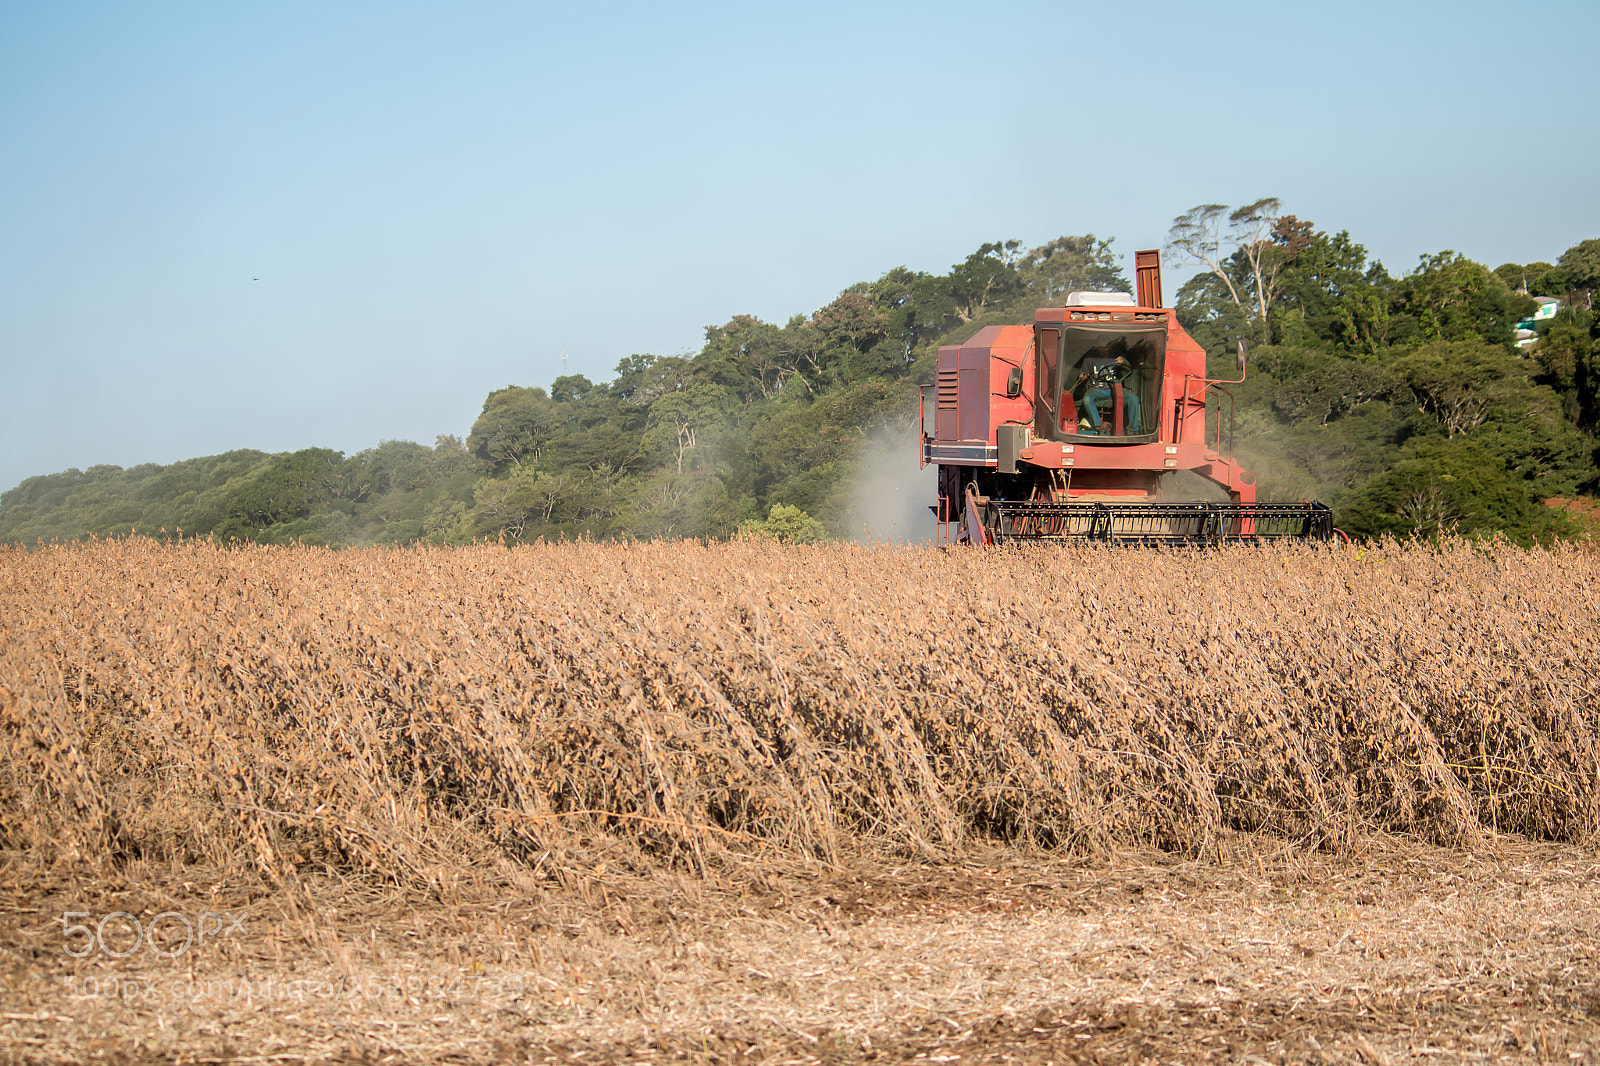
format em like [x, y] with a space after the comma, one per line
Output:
[1401, 401]
[1404, 402]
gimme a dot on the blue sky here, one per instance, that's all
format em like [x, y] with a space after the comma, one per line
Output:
[286, 225]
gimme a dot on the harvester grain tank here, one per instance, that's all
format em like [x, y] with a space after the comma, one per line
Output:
[1070, 429]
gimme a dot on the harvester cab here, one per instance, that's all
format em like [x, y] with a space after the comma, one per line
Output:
[1072, 427]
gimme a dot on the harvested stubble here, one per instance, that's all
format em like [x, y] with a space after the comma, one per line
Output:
[399, 712]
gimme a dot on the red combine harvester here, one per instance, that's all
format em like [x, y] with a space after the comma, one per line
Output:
[1068, 428]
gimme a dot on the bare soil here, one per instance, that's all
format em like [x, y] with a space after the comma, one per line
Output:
[1584, 513]
[1392, 952]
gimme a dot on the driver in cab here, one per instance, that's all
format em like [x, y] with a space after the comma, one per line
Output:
[1101, 380]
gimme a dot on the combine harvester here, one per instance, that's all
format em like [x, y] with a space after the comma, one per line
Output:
[1068, 429]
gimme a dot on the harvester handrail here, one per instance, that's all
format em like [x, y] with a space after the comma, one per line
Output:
[1217, 446]
[1208, 385]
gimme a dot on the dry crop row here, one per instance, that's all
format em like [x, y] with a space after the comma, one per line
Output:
[394, 711]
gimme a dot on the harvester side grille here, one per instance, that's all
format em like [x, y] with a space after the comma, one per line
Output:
[1158, 523]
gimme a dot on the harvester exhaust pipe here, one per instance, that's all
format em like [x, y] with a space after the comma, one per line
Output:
[1147, 277]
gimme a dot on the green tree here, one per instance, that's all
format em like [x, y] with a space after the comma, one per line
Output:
[1241, 252]
[1218, 322]
[571, 388]
[786, 525]
[514, 428]
[289, 487]
[1363, 322]
[917, 306]
[1568, 354]
[1453, 298]
[1458, 383]
[641, 379]
[747, 357]
[1307, 385]
[987, 278]
[395, 466]
[1581, 264]
[679, 423]
[1327, 280]
[689, 505]
[1069, 264]
[852, 321]
[1467, 484]
[1533, 279]
[849, 341]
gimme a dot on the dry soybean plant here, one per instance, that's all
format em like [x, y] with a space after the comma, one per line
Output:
[401, 712]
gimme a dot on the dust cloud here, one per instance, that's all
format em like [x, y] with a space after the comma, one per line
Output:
[1185, 486]
[889, 495]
